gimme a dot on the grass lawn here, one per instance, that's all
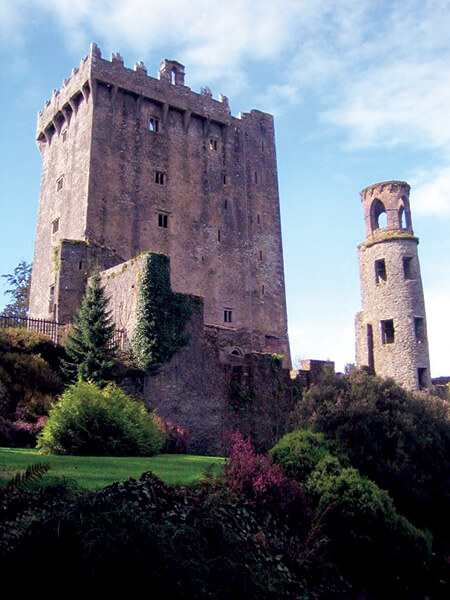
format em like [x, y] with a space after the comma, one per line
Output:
[95, 472]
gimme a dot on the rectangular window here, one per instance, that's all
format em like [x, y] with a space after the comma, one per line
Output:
[59, 184]
[380, 270]
[163, 220]
[387, 331]
[227, 315]
[258, 219]
[256, 176]
[419, 329]
[218, 235]
[224, 180]
[407, 267]
[160, 177]
[51, 298]
[226, 204]
[422, 377]
[153, 124]
[260, 255]
[55, 225]
[213, 144]
[64, 135]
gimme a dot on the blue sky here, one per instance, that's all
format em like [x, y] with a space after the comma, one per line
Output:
[360, 91]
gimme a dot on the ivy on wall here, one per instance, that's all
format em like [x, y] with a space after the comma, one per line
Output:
[161, 316]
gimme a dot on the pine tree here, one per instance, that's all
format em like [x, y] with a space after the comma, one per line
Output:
[90, 347]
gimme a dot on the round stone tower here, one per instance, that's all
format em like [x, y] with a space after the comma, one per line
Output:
[391, 332]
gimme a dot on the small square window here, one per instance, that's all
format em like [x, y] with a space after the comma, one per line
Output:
[227, 315]
[380, 270]
[153, 124]
[160, 177]
[387, 331]
[59, 184]
[407, 267]
[163, 220]
[213, 144]
[55, 225]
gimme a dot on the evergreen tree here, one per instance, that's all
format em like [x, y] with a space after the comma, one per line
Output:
[90, 347]
[19, 282]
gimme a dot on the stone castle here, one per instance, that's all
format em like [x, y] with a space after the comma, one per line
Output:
[391, 331]
[134, 165]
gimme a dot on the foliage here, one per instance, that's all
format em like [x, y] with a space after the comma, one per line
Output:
[399, 440]
[19, 281]
[299, 452]
[22, 481]
[90, 421]
[255, 476]
[142, 534]
[364, 533]
[90, 346]
[176, 437]
[29, 384]
[161, 316]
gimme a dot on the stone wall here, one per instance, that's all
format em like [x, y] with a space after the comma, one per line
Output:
[150, 165]
[391, 329]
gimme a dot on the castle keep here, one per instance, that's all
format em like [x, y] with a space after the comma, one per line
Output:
[134, 164]
[391, 332]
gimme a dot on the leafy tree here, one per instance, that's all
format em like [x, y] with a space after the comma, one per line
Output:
[161, 316]
[90, 347]
[19, 281]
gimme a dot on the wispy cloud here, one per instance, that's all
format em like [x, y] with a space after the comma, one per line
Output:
[432, 193]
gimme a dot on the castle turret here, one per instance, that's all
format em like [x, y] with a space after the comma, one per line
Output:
[391, 332]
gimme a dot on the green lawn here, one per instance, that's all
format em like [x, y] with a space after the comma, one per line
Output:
[95, 472]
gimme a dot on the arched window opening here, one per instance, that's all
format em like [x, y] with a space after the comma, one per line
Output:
[379, 216]
[403, 218]
[236, 352]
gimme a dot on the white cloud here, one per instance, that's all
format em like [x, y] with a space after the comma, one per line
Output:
[438, 324]
[431, 193]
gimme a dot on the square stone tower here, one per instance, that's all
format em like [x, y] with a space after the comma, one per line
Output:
[132, 164]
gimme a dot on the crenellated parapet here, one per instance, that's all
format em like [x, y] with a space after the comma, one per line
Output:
[167, 89]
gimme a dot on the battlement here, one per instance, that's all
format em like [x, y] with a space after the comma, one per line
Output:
[385, 187]
[167, 89]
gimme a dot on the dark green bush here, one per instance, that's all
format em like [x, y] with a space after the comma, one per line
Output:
[299, 452]
[89, 421]
[401, 441]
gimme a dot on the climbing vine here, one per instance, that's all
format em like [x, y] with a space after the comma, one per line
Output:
[161, 316]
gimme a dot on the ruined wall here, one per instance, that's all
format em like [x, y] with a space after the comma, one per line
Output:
[157, 167]
[391, 329]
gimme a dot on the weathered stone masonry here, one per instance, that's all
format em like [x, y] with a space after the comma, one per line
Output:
[133, 164]
[391, 333]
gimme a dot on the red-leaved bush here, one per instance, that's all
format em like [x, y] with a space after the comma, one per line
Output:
[255, 476]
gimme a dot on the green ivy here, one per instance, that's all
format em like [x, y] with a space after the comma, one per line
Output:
[161, 316]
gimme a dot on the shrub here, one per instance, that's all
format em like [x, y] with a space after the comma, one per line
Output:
[89, 421]
[368, 538]
[254, 476]
[399, 440]
[298, 453]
